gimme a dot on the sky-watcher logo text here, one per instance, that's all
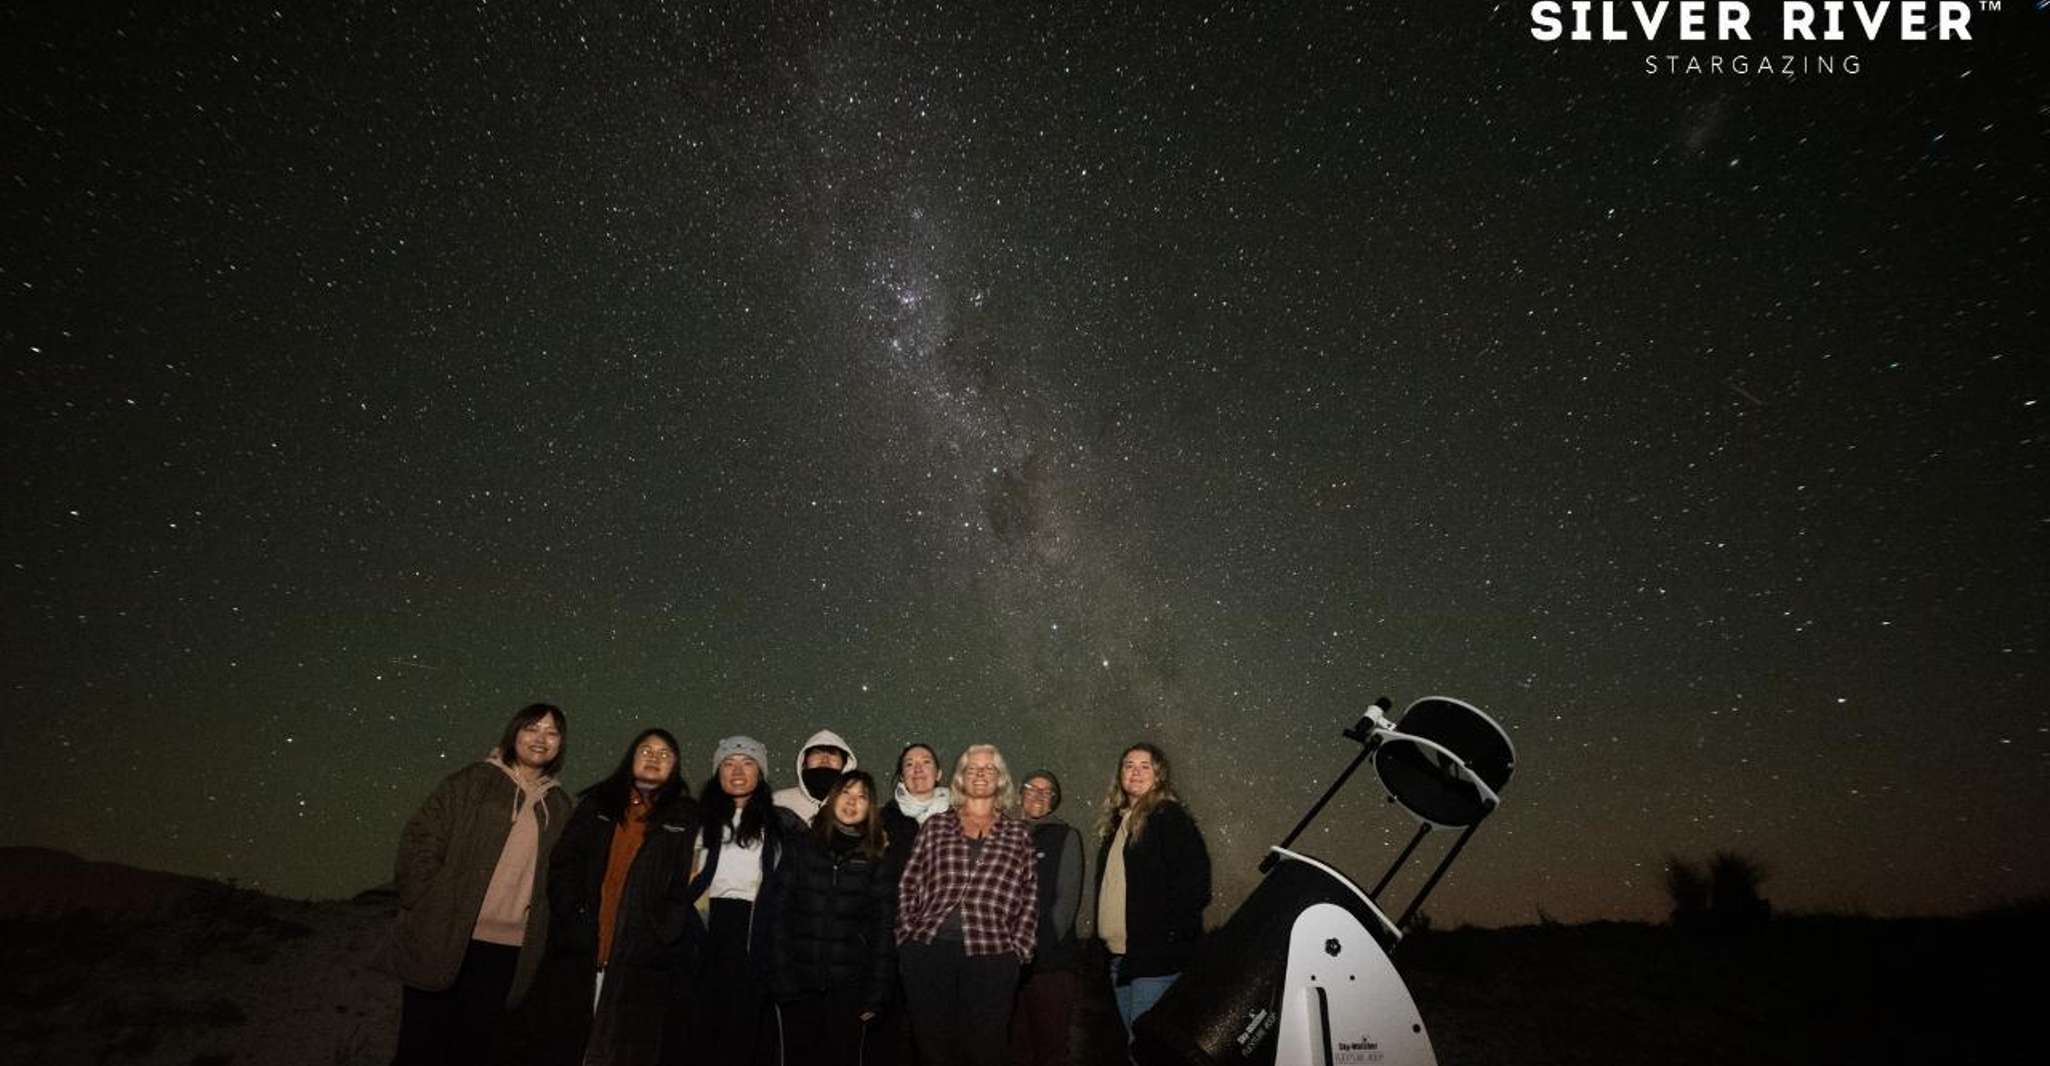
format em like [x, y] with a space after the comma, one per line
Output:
[1734, 21]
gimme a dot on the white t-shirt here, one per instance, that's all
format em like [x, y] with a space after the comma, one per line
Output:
[739, 875]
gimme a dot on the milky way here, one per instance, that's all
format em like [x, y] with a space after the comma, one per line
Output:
[1054, 376]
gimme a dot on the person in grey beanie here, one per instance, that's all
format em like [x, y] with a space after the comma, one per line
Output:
[1044, 1012]
[740, 850]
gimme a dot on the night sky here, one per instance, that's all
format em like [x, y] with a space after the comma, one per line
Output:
[1059, 376]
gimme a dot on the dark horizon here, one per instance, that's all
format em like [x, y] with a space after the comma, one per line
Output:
[1054, 378]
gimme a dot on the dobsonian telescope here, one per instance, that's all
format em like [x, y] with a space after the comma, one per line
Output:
[1300, 975]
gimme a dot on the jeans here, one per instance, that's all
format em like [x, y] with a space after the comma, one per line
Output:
[1137, 996]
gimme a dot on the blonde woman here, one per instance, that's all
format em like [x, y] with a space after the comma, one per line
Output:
[967, 916]
[1152, 881]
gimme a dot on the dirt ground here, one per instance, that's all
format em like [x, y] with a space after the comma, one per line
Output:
[110, 965]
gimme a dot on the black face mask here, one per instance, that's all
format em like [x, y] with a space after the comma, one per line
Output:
[818, 780]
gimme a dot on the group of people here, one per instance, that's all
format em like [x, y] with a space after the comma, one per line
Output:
[822, 923]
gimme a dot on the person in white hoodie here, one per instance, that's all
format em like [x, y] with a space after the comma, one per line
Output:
[820, 763]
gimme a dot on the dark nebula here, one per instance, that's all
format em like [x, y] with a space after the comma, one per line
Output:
[1054, 375]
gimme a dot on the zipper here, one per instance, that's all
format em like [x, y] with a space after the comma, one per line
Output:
[754, 907]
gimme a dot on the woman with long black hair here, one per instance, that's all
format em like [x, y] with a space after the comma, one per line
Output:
[625, 936]
[739, 855]
[472, 879]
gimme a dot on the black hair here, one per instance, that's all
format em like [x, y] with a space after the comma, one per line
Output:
[929, 750]
[874, 841]
[717, 809]
[509, 743]
[614, 792]
[836, 749]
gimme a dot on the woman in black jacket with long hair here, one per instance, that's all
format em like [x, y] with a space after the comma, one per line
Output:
[834, 938]
[1152, 881]
[625, 936]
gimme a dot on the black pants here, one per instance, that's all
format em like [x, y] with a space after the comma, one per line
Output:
[459, 1025]
[960, 1004]
[825, 1029]
[1042, 1029]
[551, 1025]
[735, 1016]
[893, 1043]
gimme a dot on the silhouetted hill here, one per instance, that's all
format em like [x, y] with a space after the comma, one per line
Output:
[113, 964]
[44, 883]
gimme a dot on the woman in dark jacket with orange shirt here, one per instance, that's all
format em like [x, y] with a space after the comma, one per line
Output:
[625, 936]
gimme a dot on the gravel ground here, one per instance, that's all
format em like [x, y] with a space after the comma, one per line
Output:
[108, 964]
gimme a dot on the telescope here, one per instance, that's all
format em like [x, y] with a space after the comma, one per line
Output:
[1300, 975]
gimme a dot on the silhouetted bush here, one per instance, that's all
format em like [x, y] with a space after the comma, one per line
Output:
[1687, 886]
[1734, 899]
[1721, 897]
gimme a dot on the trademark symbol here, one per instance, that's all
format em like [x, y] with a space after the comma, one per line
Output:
[1990, 5]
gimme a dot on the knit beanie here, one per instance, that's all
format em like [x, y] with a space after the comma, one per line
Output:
[747, 746]
[1051, 780]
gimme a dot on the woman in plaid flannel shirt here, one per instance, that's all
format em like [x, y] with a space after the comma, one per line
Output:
[967, 915]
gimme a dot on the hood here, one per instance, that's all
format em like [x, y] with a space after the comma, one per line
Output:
[824, 738]
[541, 784]
[530, 794]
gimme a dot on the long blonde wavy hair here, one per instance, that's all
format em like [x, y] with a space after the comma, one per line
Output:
[1118, 806]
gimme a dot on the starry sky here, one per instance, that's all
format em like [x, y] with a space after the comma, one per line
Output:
[1058, 375]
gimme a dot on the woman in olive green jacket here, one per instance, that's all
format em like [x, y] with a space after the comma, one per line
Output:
[473, 892]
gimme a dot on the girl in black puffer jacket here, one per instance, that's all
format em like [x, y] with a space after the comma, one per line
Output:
[834, 942]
